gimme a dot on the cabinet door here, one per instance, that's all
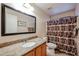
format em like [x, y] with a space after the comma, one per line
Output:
[44, 49]
[31, 53]
[38, 51]
[41, 50]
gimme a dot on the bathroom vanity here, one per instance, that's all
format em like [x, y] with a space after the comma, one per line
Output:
[38, 51]
[24, 49]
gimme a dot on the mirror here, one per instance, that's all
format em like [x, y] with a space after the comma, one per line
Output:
[16, 22]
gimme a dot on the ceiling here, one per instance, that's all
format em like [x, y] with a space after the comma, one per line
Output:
[55, 8]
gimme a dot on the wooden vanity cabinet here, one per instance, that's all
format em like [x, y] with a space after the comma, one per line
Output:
[38, 51]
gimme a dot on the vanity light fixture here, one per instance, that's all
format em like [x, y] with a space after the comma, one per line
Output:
[28, 6]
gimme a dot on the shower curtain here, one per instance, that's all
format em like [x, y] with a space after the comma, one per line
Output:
[60, 32]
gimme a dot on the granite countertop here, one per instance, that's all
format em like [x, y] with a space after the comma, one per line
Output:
[18, 50]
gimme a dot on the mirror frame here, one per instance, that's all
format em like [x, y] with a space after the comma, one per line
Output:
[3, 21]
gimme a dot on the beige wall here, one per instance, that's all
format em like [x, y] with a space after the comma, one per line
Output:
[41, 19]
[64, 14]
[77, 10]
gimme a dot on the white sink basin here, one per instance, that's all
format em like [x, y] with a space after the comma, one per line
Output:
[28, 44]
